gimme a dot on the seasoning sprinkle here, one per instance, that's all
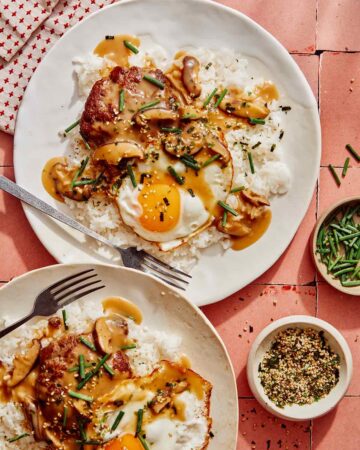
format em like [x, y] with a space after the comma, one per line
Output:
[131, 175]
[161, 216]
[72, 126]
[227, 208]
[122, 100]
[109, 37]
[154, 81]
[117, 421]
[149, 105]
[256, 121]
[251, 162]
[166, 201]
[17, 438]
[180, 180]
[334, 174]
[346, 166]
[273, 147]
[191, 192]
[131, 47]
[79, 396]
[210, 160]
[64, 316]
[256, 145]
[88, 344]
[221, 98]
[353, 152]
[209, 97]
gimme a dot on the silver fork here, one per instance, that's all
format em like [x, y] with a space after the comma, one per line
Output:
[58, 295]
[131, 257]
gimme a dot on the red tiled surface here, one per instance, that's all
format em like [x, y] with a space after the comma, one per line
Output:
[288, 287]
[337, 24]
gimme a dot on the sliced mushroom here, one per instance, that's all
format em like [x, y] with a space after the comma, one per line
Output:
[165, 396]
[218, 147]
[23, 363]
[110, 333]
[142, 117]
[62, 176]
[190, 76]
[254, 198]
[114, 152]
[35, 417]
[239, 104]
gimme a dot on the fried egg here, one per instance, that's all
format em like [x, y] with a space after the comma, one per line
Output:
[162, 211]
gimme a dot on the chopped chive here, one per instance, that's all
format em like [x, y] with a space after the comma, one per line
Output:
[131, 175]
[175, 175]
[79, 172]
[273, 147]
[351, 150]
[87, 145]
[251, 162]
[88, 344]
[149, 105]
[281, 135]
[109, 37]
[65, 415]
[334, 174]
[171, 130]
[227, 208]
[237, 189]
[154, 81]
[79, 396]
[285, 108]
[139, 421]
[72, 126]
[109, 369]
[143, 442]
[190, 162]
[117, 421]
[256, 121]
[122, 100]
[346, 166]
[128, 347]
[76, 368]
[85, 182]
[224, 219]
[256, 145]
[17, 438]
[188, 116]
[131, 47]
[191, 192]
[221, 98]
[210, 160]
[82, 366]
[92, 373]
[209, 97]
[64, 316]
[82, 430]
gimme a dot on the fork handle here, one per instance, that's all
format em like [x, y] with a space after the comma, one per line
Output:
[14, 189]
[15, 325]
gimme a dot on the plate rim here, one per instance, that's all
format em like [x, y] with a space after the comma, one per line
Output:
[317, 139]
[197, 311]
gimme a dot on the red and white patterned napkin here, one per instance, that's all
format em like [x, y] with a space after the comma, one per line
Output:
[28, 29]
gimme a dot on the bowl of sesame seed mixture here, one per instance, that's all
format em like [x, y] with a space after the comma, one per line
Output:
[299, 367]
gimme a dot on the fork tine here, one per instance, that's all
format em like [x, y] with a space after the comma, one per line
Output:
[79, 295]
[64, 280]
[67, 286]
[168, 274]
[76, 289]
[146, 270]
[166, 266]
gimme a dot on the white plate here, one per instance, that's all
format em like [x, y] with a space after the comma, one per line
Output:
[50, 103]
[163, 309]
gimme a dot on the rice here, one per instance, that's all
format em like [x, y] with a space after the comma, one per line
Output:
[153, 346]
[271, 178]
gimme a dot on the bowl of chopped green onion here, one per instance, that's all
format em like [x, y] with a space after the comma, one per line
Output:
[336, 245]
[299, 367]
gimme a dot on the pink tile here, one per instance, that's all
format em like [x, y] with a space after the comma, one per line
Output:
[297, 256]
[329, 193]
[292, 22]
[338, 23]
[340, 429]
[6, 146]
[330, 303]
[309, 64]
[339, 104]
[241, 317]
[17, 240]
[260, 430]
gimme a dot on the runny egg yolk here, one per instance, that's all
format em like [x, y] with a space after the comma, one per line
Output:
[126, 442]
[161, 206]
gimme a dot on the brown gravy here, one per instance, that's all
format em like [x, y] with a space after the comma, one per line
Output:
[115, 50]
[118, 305]
[258, 228]
[48, 179]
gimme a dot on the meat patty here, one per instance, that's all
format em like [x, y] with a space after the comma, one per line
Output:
[102, 121]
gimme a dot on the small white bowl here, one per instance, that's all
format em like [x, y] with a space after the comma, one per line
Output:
[337, 343]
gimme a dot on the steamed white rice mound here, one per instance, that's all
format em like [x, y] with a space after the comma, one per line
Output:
[153, 346]
[271, 178]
